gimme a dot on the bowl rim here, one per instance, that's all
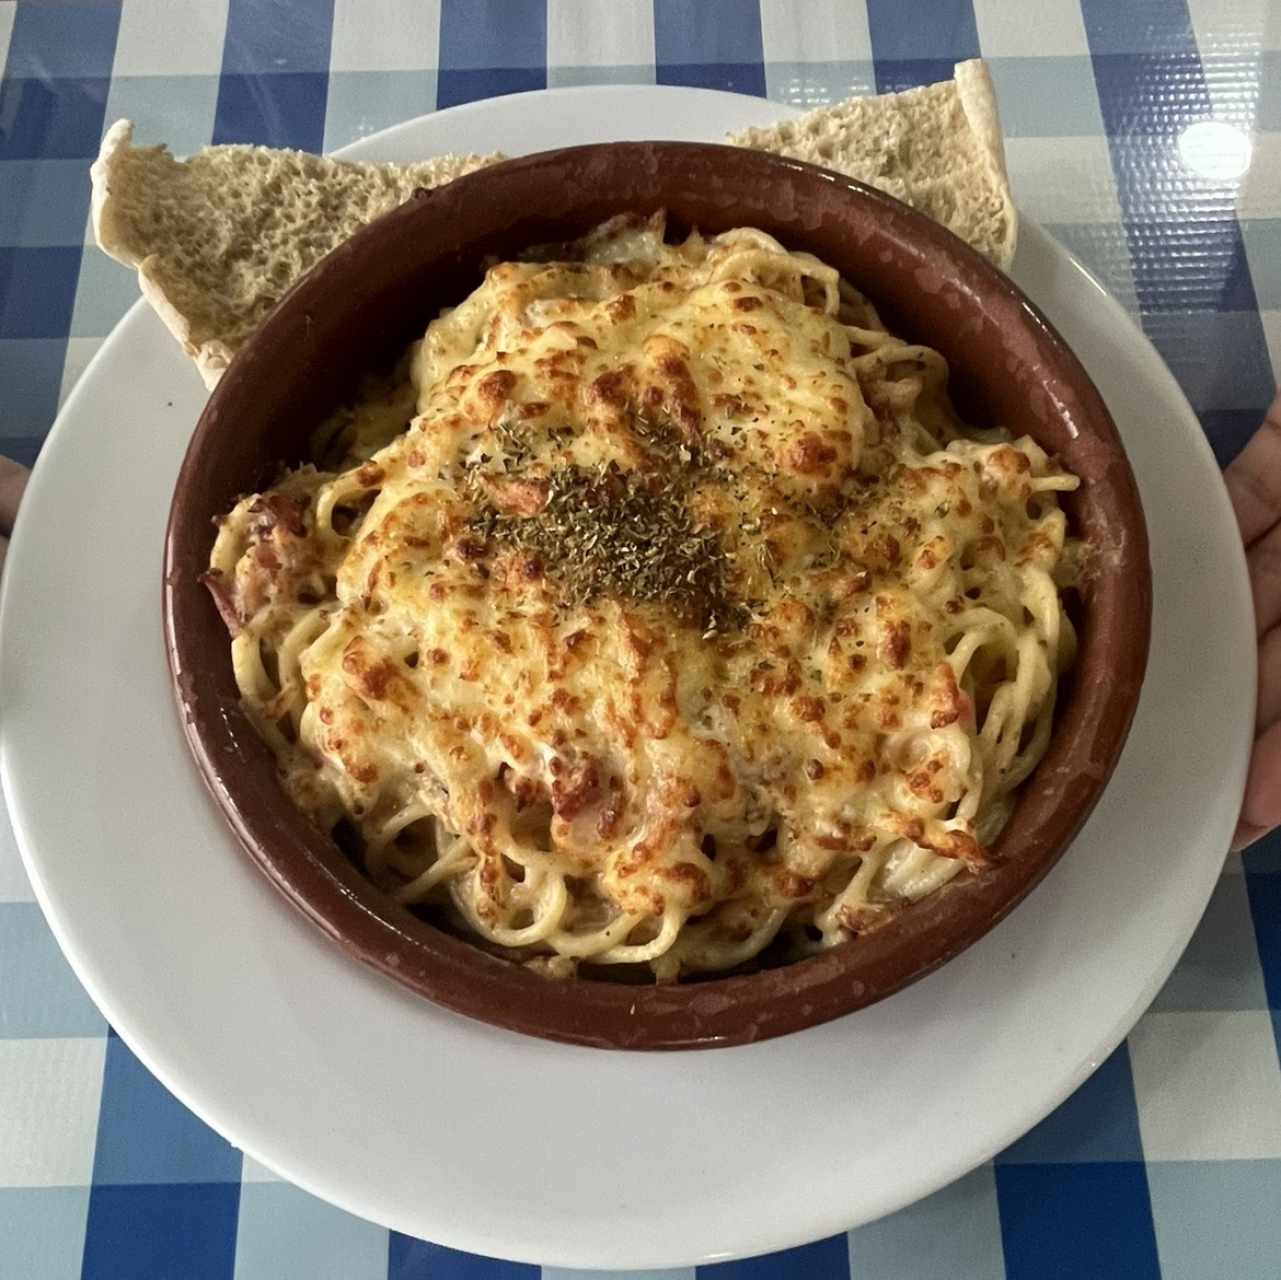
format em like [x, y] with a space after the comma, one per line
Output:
[305, 865]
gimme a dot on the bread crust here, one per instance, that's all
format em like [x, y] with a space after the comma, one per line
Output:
[978, 100]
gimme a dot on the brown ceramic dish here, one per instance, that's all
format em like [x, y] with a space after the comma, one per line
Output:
[378, 292]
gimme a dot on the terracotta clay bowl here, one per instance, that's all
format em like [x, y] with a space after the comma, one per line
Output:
[369, 299]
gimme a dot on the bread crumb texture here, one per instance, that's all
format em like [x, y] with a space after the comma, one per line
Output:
[918, 146]
[225, 234]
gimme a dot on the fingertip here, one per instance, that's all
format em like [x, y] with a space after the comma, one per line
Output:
[13, 483]
[1261, 811]
[1244, 836]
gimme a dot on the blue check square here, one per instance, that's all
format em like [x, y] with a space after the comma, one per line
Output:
[1220, 358]
[279, 110]
[944, 31]
[69, 38]
[1098, 1122]
[43, 202]
[410, 1259]
[1216, 276]
[823, 1260]
[479, 34]
[1265, 854]
[31, 375]
[25, 449]
[1265, 906]
[709, 46]
[465, 84]
[265, 37]
[1151, 95]
[51, 119]
[1228, 430]
[37, 291]
[715, 45]
[713, 31]
[1076, 1222]
[896, 75]
[1138, 27]
[187, 1232]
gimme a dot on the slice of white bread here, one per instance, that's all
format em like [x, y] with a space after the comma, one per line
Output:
[219, 238]
[937, 148]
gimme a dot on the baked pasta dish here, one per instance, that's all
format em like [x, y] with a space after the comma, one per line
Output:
[657, 610]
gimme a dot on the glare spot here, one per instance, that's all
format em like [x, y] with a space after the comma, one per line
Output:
[1215, 149]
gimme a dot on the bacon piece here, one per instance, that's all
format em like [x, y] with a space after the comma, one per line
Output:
[224, 599]
[575, 790]
[274, 509]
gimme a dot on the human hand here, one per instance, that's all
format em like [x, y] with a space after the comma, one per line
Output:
[13, 480]
[1254, 484]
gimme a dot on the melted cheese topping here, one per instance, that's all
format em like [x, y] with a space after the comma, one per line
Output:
[663, 613]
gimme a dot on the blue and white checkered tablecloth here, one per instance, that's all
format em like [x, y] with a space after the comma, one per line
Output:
[1168, 1161]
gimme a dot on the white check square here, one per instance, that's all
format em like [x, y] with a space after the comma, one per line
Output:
[14, 885]
[1207, 1085]
[8, 10]
[285, 1234]
[816, 31]
[1259, 192]
[619, 34]
[252, 1171]
[49, 1120]
[160, 38]
[1233, 27]
[79, 352]
[1066, 179]
[1052, 28]
[385, 35]
[1272, 332]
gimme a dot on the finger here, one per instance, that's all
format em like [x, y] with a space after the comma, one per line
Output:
[1244, 836]
[1262, 808]
[1269, 712]
[1264, 562]
[1253, 478]
[13, 480]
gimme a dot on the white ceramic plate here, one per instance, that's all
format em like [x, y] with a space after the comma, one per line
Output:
[486, 1141]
